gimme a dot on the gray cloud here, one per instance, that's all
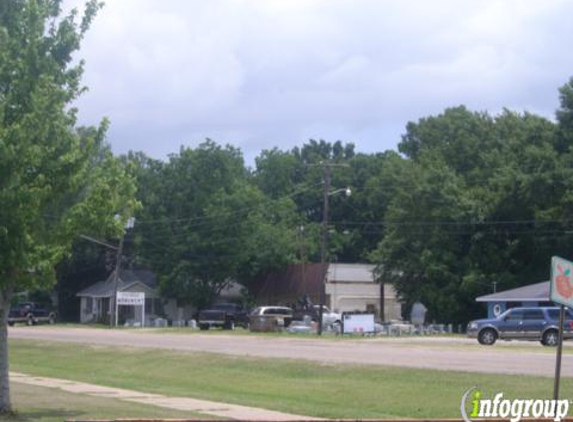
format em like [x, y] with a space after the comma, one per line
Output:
[264, 73]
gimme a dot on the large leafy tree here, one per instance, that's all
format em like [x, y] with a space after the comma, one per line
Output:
[204, 223]
[481, 199]
[55, 180]
[354, 222]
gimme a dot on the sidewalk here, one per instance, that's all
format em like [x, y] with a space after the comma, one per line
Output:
[221, 410]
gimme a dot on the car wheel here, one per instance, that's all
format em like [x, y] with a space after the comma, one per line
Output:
[550, 338]
[487, 337]
[11, 323]
[204, 327]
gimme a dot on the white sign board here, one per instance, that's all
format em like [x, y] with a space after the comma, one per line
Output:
[358, 323]
[561, 281]
[131, 298]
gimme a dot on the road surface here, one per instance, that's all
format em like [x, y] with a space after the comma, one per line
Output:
[430, 353]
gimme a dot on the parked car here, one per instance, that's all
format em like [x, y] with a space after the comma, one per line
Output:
[30, 313]
[541, 324]
[224, 315]
[280, 313]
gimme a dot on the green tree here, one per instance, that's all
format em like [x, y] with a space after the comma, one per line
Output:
[54, 180]
[481, 199]
[204, 223]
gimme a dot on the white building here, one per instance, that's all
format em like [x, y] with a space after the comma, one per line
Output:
[352, 287]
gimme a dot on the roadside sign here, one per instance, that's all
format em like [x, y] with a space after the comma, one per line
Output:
[561, 292]
[131, 298]
[561, 281]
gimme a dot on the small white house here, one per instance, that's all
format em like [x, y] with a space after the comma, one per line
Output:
[97, 299]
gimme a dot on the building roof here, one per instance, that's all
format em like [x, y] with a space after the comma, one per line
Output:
[351, 273]
[127, 278]
[530, 293]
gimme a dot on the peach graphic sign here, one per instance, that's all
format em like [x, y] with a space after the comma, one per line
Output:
[562, 281]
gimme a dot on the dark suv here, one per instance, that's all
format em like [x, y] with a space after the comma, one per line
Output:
[540, 324]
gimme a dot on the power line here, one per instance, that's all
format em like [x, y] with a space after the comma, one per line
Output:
[246, 209]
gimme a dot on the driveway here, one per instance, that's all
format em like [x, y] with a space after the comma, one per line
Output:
[431, 353]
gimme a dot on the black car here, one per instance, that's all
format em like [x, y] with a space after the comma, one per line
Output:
[224, 315]
[541, 324]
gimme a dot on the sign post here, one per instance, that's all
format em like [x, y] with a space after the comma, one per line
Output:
[131, 299]
[561, 292]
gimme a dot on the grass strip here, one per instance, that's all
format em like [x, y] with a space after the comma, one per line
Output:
[292, 386]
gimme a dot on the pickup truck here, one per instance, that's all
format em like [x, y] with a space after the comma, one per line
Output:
[328, 317]
[224, 315]
[30, 313]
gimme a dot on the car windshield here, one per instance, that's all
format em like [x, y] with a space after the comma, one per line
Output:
[225, 307]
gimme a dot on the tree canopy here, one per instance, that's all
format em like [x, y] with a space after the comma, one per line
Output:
[481, 199]
[470, 199]
[56, 180]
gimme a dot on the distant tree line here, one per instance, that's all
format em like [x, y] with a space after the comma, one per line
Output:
[468, 199]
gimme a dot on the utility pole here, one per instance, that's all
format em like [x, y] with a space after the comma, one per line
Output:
[302, 258]
[382, 302]
[113, 313]
[324, 232]
[114, 310]
[323, 245]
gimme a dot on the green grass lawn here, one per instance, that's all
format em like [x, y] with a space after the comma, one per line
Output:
[306, 388]
[39, 404]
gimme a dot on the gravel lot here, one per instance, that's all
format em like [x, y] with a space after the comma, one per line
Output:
[432, 352]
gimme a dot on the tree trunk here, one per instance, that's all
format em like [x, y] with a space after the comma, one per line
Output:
[5, 401]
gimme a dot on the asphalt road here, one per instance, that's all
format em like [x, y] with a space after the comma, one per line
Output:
[431, 353]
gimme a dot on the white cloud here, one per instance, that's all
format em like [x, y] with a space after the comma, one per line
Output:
[259, 73]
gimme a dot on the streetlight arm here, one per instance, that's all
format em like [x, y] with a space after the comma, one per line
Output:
[99, 242]
[347, 191]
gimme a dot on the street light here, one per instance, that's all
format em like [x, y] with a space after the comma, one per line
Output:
[324, 238]
[113, 311]
[128, 225]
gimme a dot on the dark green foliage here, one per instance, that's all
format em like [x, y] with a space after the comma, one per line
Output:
[203, 224]
[481, 199]
[473, 199]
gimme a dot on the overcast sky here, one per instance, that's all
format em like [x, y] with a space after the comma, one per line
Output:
[265, 73]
